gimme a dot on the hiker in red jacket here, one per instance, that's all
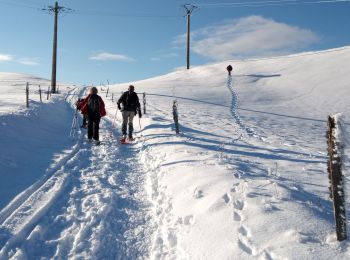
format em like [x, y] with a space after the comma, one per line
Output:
[94, 107]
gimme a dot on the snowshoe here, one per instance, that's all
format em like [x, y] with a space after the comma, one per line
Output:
[123, 140]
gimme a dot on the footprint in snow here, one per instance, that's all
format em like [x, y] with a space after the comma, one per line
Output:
[245, 247]
[226, 198]
[198, 194]
[238, 204]
[220, 203]
[244, 231]
[187, 220]
[237, 216]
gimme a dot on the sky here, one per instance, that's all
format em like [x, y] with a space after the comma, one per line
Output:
[125, 41]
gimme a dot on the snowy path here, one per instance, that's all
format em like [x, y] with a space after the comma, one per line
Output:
[92, 205]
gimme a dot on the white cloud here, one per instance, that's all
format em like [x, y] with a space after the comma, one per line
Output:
[28, 62]
[24, 61]
[165, 56]
[105, 56]
[252, 36]
[5, 57]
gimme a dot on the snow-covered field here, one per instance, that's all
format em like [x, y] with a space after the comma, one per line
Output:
[245, 179]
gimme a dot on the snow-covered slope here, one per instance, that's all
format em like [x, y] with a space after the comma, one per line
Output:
[245, 179]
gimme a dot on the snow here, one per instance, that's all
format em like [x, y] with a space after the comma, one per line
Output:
[246, 177]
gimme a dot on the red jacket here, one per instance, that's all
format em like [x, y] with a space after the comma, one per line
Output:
[84, 106]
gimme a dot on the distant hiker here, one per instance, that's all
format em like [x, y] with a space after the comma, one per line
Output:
[78, 105]
[131, 106]
[229, 69]
[94, 107]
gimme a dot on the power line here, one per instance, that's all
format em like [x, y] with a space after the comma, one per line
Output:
[19, 5]
[140, 15]
[269, 3]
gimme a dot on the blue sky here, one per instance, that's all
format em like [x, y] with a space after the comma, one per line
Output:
[123, 41]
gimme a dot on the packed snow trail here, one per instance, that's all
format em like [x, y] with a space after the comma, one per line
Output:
[92, 206]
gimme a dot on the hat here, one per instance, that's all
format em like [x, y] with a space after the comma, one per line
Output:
[93, 90]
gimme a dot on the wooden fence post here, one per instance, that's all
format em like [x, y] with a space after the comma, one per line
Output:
[48, 93]
[27, 95]
[176, 117]
[40, 94]
[334, 167]
[112, 96]
[144, 103]
[107, 91]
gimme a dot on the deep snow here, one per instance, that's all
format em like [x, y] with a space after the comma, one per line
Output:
[245, 179]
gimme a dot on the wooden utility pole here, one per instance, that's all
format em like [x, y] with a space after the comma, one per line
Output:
[56, 10]
[54, 52]
[189, 9]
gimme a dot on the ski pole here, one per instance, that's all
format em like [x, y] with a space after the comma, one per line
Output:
[74, 124]
[114, 119]
[140, 126]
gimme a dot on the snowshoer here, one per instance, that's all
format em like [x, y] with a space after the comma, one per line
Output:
[229, 69]
[94, 108]
[131, 106]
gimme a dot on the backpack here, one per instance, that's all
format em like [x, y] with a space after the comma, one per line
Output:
[94, 105]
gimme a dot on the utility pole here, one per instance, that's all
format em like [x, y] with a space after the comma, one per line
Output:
[56, 10]
[188, 9]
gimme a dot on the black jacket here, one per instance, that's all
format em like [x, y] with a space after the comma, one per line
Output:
[130, 101]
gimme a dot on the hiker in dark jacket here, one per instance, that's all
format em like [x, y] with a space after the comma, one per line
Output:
[229, 69]
[94, 107]
[131, 106]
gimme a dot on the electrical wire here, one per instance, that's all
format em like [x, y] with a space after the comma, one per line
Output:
[97, 13]
[269, 3]
[20, 5]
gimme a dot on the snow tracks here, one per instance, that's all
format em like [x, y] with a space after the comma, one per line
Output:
[90, 205]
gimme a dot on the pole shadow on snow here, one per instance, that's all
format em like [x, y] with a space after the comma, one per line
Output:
[215, 145]
[237, 151]
[257, 75]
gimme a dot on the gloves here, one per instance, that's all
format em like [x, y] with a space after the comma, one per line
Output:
[119, 107]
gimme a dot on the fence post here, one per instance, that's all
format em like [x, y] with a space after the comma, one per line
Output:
[57, 91]
[112, 96]
[107, 91]
[40, 94]
[48, 93]
[176, 117]
[334, 167]
[27, 95]
[144, 102]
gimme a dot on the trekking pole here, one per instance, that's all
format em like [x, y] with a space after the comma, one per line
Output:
[114, 118]
[140, 126]
[74, 124]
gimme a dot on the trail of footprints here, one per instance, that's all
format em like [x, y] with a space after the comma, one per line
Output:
[244, 234]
